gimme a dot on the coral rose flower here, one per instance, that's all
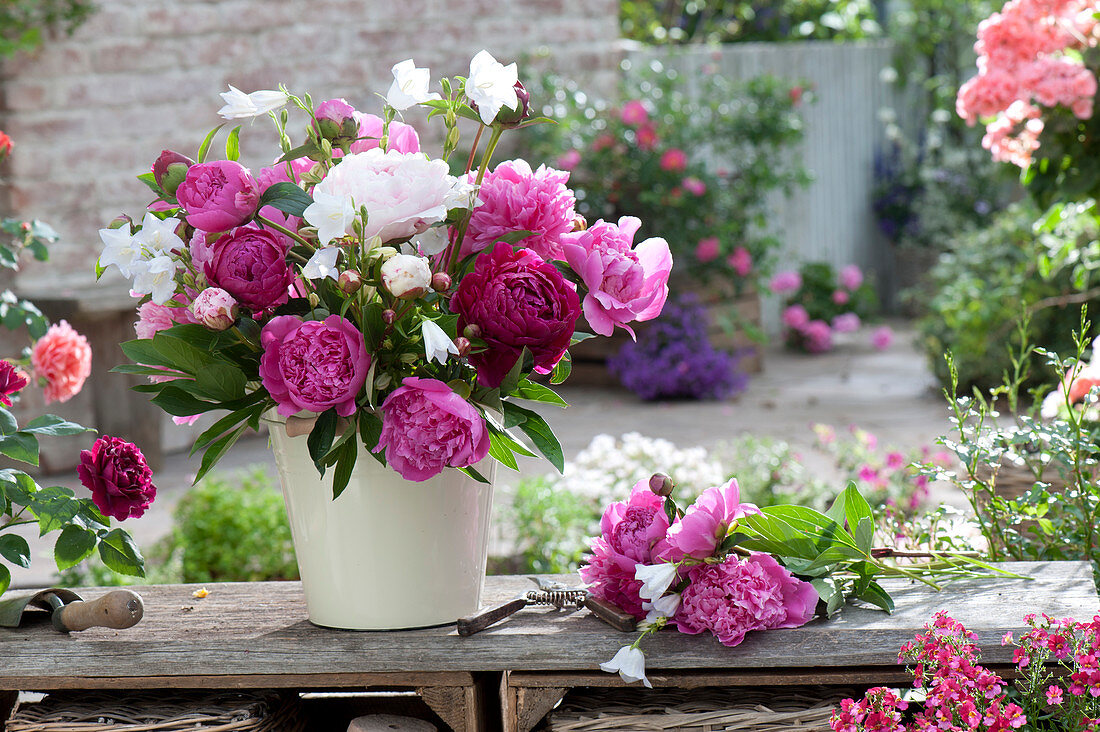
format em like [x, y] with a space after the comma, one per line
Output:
[64, 359]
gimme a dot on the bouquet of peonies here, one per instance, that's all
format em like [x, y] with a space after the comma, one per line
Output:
[360, 289]
[727, 567]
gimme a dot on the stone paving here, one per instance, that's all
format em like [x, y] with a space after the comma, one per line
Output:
[890, 392]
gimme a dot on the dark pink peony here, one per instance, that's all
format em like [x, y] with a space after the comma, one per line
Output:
[515, 198]
[218, 195]
[736, 596]
[402, 137]
[625, 284]
[120, 480]
[250, 264]
[11, 381]
[427, 427]
[705, 524]
[632, 532]
[313, 365]
[517, 300]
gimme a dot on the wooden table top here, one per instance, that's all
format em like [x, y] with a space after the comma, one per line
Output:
[256, 634]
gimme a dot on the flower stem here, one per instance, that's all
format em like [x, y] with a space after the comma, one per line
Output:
[287, 232]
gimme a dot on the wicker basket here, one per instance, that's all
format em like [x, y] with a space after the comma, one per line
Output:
[805, 709]
[160, 711]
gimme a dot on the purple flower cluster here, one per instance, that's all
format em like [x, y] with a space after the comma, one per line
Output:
[674, 359]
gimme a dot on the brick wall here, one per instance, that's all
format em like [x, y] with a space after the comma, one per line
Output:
[91, 111]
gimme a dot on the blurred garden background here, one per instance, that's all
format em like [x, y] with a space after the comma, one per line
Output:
[840, 218]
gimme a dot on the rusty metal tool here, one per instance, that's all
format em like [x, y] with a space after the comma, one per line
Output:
[549, 594]
[116, 609]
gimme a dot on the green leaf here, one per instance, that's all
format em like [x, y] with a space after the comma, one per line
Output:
[222, 382]
[515, 237]
[54, 426]
[470, 471]
[204, 148]
[877, 596]
[579, 336]
[301, 151]
[179, 403]
[73, 546]
[55, 507]
[8, 425]
[15, 549]
[562, 369]
[5, 579]
[233, 144]
[118, 552]
[370, 430]
[500, 451]
[223, 425]
[342, 474]
[21, 447]
[217, 449]
[539, 432]
[320, 438]
[150, 180]
[18, 486]
[139, 370]
[534, 392]
[287, 197]
[512, 378]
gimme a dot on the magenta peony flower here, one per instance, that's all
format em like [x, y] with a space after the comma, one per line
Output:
[795, 317]
[333, 116]
[218, 195]
[736, 596]
[313, 365]
[250, 264]
[846, 323]
[517, 300]
[705, 524]
[786, 281]
[634, 113]
[632, 532]
[516, 199]
[11, 381]
[402, 137]
[817, 336]
[120, 480]
[624, 284]
[427, 427]
[851, 277]
[215, 308]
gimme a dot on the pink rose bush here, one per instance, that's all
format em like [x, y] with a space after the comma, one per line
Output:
[360, 284]
[63, 359]
[821, 303]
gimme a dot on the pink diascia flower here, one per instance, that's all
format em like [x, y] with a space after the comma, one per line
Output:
[817, 336]
[846, 323]
[218, 195]
[569, 159]
[634, 113]
[625, 283]
[250, 264]
[427, 427]
[741, 261]
[694, 186]
[882, 337]
[12, 380]
[120, 480]
[851, 277]
[739, 595]
[705, 524]
[64, 359]
[708, 249]
[313, 365]
[515, 198]
[402, 138]
[631, 532]
[785, 281]
[795, 317]
[674, 160]
[519, 301]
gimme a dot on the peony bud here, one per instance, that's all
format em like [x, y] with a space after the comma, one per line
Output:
[336, 122]
[406, 276]
[349, 281]
[473, 330]
[463, 346]
[119, 221]
[441, 282]
[388, 316]
[580, 223]
[169, 170]
[661, 484]
[512, 117]
[215, 308]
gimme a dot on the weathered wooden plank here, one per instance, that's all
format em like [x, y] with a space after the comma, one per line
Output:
[260, 630]
[384, 681]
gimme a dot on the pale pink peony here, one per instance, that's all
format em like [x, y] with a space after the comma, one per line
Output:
[515, 198]
[705, 524]
[882, 337]
[632, 532]
[426, 427]
[64, 359]
[634, 113]
[739, 595]
[708, 249]
[624, 284]
[846, 323]
[741, 261]
[313, 365]
[795, 317]
[785, 281]
[153, 318]
[215, 308]
[673, 160]
[851, 277]
[401, 137]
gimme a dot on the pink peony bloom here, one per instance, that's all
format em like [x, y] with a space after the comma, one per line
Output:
[708, 249]
[785, 281]
[846, 323]
[427, 427]
[706, 522]
[218, 195]
[673, 160]
[250, 264]
[569, 159]
[120, 480]
[624, 284]
[631, 532]
[402, 137]
[882, 337]
[153, 318]
[795, 317]
[841, 297]
[64, 358]
[646, 137]
[518, 300]
[851, 277]
[313, 365]
[736, 596]
[741, 261]
[12, 380]
[215, 308]
[337, 111]
[817, 336]
[634, 113]
[694, 186]
[515, 198]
